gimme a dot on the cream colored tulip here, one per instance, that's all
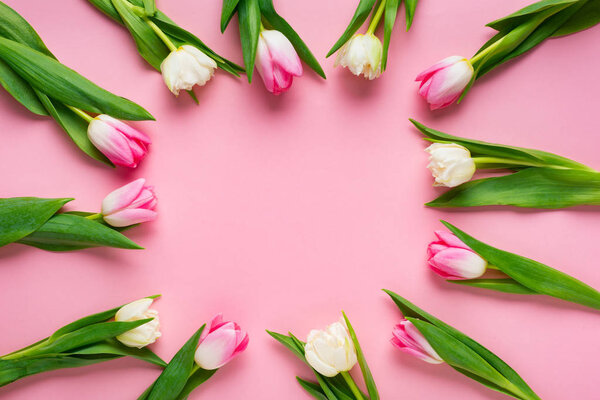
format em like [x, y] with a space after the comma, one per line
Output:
[450, 164]
[185, 67]
[362, 55]
[145, 334]
[330, 351]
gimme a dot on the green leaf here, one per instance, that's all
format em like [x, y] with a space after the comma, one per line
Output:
[107, 7]
[528, 157]
[175, 376]
[587, 16]
[15, 27]
[20, 216]
[521, 16]
[62, 83]
[113, 346]
[22, 91]
[149, 7]
[197, 378]
[531, 187]
[278, 23]
[411, 6]
[532, 274]
[391, 10]
[362, 362]
[249, 17]
[289, 343]
[227, 12]
[312, 388]
[363, 10]
[66, 232]
[501, 285]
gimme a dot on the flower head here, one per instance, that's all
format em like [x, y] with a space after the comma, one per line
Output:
[131, 204]
[450, 164]
[119, 142]
[407, 338]
[362, 55]
[220, 342]
[443, 83]
[144, 334]
[185, 67]
[330, 351]
[277, 61]
[450, 258]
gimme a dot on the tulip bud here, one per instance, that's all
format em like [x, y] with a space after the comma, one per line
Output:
[408, 339]
[119, 142]
[145, 334]
[185, 67]
[131, 204]
[330, 351]
[450, 258]
[450, 164]
[443, 83]
[220, 342]
[277, 61]
[362, 55]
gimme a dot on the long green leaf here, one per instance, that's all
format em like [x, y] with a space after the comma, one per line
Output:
[227, 12]
[112, 346]
[363, 10]
[278, 23]
[531, 187]
[411, 6]
[249, 19]
[501, 285]
[289, 343]
[362, 362]
[391, 10]
[21, 216]
[586, 17]
[173, 379]
[22, 91]
[312, 388]
[149, 7]
[532, 274]
[107, 7]
[14, 27]
[522, 15]
[197, 379]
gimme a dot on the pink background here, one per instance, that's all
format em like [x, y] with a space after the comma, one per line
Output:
[282, 211]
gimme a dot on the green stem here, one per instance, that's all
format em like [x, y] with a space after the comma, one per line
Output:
[482, 161]
[485, 51]
[376, 18]
[141, 12]
[490, 266]
[355, 390]
[81, 113]
[94, 216]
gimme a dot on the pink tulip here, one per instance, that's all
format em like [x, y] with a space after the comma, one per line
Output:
[452, 259]
[408, 339]
[443, 83]
[220, 342]
[277, 61]
[131, 204]
[119, 142]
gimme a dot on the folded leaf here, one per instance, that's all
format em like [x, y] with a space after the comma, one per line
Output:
[312, 388]
[519, 17]
[411, 6]
[22, 91]
[587, 16]
[363, 10]
[249, 19]
[195, 380]
[149, 7]
[391, 10]
[14, 27]
[362, 362]
[114, 347]
[501, 285]
[107, 7]
[227, 12]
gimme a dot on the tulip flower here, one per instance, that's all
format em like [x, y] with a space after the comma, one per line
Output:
[450, 258]
[443, 83]
[145, 334]
[119, 142]
[220, 342]
[185, 67]
[131, 204]
[277, 61]
[450, 164]
[330, 351]
[408, 339]
[362, 55]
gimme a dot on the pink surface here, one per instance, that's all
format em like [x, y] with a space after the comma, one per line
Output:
[281, 211]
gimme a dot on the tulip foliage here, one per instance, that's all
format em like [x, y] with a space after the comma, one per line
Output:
[526, 276]
[539, 179]
[35, 78]
[337, 386]
[87, 341]
[463, 353]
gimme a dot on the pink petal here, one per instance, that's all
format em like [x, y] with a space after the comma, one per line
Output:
[125, 128]
[122, 197]
[451, 239]
[130, 217]
[423, 76]
[282, 52]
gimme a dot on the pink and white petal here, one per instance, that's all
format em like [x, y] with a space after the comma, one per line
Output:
[122, 197]
[264, 65]
[126, 129]
[242, 345]
[216, 349]
[130, 217]
[282, 52]
[446, 62]
[451, 239]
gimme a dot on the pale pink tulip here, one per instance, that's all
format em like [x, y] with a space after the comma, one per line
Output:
[131, 204]
[119, 142]
[408, 339]
[443, 83]
[452, 259]
[277, 61]
[220, 342]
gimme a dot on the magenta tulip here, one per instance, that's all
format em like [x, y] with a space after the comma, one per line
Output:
[220, 342]
[277, 61]
[119, 142]
[131, 204]
[452, 259]
[443, 83]
[408, 339]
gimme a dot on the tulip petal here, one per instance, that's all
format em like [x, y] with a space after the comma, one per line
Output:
[450, 239]
[129, 217]
[133, 309]
[122, 197]
[282, 52]
[216, 349]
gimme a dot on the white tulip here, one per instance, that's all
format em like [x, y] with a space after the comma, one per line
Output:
[361, 55]
[330, 351]
[145, 334]
[450, 164]
[185, 67]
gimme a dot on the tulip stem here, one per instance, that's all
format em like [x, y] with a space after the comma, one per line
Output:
[94, 216]
[376, 17]
[160, 34]
[350, 381]
[81, 113]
